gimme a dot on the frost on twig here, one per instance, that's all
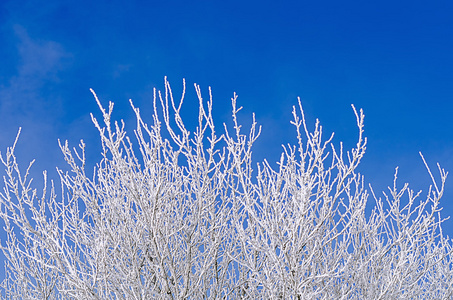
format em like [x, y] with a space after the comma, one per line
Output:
[193, 218]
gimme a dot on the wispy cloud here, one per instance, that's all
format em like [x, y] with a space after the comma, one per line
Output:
[26, 99]
[39, 63]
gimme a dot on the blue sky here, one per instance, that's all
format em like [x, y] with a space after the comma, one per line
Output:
[392, 58]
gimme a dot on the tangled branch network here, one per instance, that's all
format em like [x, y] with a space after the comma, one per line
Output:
[191, 217]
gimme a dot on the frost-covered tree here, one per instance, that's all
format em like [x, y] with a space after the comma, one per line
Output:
[190, 217]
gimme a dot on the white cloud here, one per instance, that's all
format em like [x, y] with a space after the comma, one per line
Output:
[39, 63]
[39, 58]
[25, 99]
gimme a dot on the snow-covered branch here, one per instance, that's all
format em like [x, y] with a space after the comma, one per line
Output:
[193, 218]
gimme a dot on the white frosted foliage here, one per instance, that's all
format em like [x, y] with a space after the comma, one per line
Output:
[191, 217]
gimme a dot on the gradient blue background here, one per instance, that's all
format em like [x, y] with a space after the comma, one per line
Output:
[392, 58]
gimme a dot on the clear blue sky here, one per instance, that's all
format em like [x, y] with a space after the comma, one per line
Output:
[394, 59]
